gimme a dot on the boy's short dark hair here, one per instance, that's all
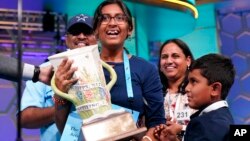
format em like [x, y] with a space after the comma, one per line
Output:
[216, 68]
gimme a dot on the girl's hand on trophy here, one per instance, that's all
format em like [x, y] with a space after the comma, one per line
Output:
[64, 74]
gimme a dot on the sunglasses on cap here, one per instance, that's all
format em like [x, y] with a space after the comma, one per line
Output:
[78, 32]
[78, 29]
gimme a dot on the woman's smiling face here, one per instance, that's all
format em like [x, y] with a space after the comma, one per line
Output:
[173, 62]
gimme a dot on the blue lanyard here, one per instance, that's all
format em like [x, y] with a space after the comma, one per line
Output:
[128, 80]
[129, 84]
[127, 75]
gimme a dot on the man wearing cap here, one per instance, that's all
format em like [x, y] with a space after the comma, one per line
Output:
[37, 106]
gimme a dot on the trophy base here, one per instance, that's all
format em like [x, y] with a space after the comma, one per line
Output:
[115, 127]
[136, 134]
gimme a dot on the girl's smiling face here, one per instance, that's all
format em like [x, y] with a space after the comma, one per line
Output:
[114, 28]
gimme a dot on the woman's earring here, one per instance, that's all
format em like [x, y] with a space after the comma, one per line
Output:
[188, 68]
[129, 38]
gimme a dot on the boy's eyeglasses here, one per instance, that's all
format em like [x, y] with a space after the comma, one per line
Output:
[119, 19]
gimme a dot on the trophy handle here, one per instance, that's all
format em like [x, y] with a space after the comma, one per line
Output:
[71, 97]
[113, 76]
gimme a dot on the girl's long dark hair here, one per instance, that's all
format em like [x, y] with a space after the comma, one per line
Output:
[186, 51]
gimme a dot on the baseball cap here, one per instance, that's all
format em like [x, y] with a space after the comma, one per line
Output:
[80, 19]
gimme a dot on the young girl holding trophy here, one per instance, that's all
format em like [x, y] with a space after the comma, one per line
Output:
[140, 90]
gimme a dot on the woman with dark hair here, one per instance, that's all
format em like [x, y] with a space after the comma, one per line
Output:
[138, 87]
[174, 62]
